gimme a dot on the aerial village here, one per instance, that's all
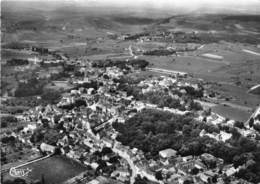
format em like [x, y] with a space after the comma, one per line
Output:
[86, 126]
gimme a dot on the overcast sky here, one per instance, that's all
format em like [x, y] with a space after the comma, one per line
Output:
[164, 2]
[178, 2]
[248, 5]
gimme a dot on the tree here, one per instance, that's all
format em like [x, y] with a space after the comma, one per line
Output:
[194, 171]
[51, 96]
[8, 140]
[195, 132]
[257, 127]
[239, 124]
[235, 134]
[7, 120]
[37, 136]
[195, 106]
[106, 150]
[239, 160]
[246, 144]
[51, 137]
[207, 112]
[186, 130]
[188, 181]
[250, 164]
[80, 102]
[195, 148]
[251, 122]
[212, 128]
[158, 175]
[140, 180]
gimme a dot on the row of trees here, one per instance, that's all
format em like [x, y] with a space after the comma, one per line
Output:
[16, 45]
[136, 36]
[122, 64]
[160, 52]
[17, 62]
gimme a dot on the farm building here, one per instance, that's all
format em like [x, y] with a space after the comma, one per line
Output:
[47, 148]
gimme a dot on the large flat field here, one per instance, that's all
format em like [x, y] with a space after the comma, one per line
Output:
[55, 170]
[236, 63]
[231, 113]
[239, 94]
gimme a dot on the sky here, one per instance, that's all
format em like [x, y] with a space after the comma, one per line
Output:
[180, 2]
[248, 5]
[163, 2]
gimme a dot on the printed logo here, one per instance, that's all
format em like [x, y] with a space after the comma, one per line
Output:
[19, 172]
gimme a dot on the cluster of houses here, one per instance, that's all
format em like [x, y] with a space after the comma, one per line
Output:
[86, 116]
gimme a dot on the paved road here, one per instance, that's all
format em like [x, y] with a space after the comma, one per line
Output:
[119, 152]
[134, 169]
[251, 52]
[130, 162]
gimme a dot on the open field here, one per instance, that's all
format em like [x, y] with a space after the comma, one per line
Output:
[231, 113]
[239, 95]
[56, 169]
